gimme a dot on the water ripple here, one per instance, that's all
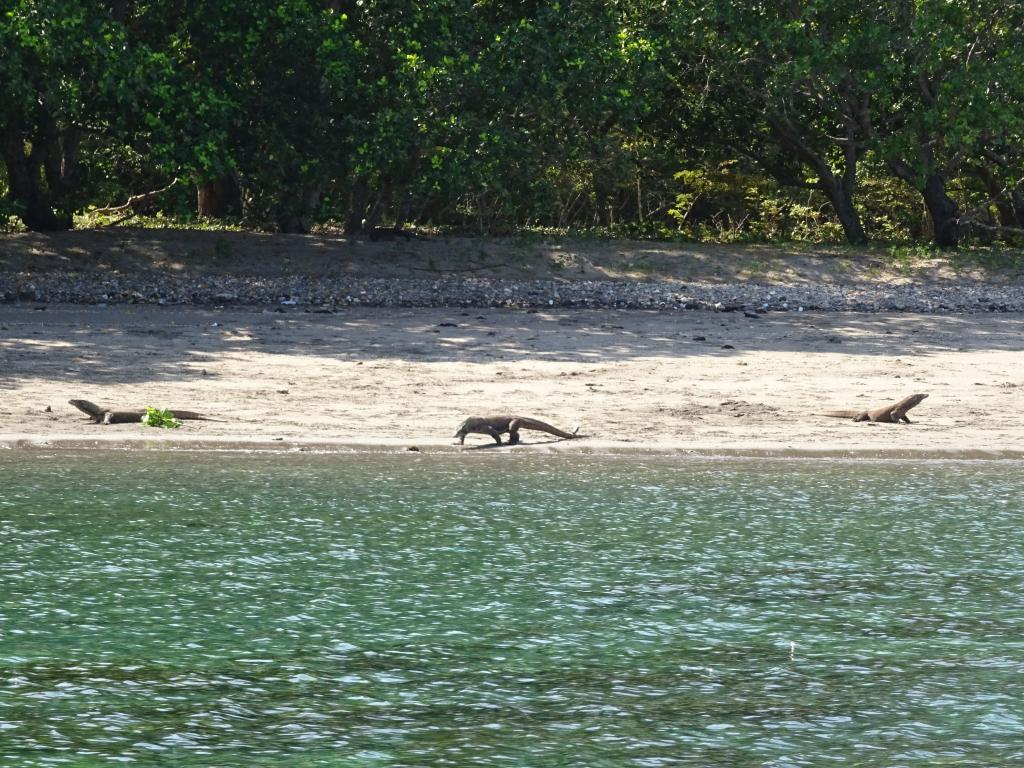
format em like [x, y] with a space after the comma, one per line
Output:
[298, 611]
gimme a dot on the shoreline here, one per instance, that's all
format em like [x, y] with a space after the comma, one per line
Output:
[14, 443]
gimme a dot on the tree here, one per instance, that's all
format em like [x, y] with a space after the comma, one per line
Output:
[955, 104]
[66, 72]
[797, 81]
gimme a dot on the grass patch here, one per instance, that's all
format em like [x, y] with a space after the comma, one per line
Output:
[642, 267]
[755, 267]
[907, 259]
[989, 258]
[94, 220]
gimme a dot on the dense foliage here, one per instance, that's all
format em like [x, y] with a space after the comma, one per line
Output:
[709, 119]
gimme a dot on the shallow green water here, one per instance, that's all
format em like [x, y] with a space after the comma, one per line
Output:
[502, 610]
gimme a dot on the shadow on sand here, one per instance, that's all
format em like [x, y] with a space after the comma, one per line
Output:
[137, 344]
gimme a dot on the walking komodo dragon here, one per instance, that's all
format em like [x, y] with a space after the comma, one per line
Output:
[887, 414]
[496, 426]
[110, 416]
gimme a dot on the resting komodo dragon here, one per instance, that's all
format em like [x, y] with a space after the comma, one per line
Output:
[495, 426]
[110, 416]
[888, 414]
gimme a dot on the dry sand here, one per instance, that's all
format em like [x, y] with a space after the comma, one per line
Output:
[634, 381]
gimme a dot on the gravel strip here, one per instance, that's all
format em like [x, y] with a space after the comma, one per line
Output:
[329, 293]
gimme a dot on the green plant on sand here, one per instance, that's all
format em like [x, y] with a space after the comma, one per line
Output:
[159, 418]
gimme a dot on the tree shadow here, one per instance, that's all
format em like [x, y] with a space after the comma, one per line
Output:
[179, 252]
[136, 344]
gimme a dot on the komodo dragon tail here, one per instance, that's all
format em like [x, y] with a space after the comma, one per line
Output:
[110, 416]
[522, 422]
[842, 414]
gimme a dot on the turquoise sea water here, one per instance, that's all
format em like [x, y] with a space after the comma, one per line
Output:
[508, 610]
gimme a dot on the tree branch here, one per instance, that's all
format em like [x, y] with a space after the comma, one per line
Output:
[135, 201]
[973, 222]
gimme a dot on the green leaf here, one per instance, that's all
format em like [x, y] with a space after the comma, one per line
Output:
[155, 417]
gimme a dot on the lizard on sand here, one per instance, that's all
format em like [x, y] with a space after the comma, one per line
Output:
[887, 414]
[495, 426]
[110, 416]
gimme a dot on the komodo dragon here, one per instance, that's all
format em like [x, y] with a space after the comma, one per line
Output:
[495, 426]
[109, 416]
[888, 414]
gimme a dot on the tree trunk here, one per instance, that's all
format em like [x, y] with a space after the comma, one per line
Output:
[219, 198]
[839, 189]
[357, 202]
[847, 214]
[380, 206]
[945, 215]
[1018, 207]
[1008, 203]
[298, 218]
[39, 216]
[944, 212]
[942, 209]
[402, 212]
[36, 204]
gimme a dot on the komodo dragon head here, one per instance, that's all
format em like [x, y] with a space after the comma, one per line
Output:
[86, 407]
[466, 427]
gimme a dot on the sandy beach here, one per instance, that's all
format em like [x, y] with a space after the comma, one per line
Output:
[634, 381]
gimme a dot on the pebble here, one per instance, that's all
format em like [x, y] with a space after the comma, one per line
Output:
[326, 294]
